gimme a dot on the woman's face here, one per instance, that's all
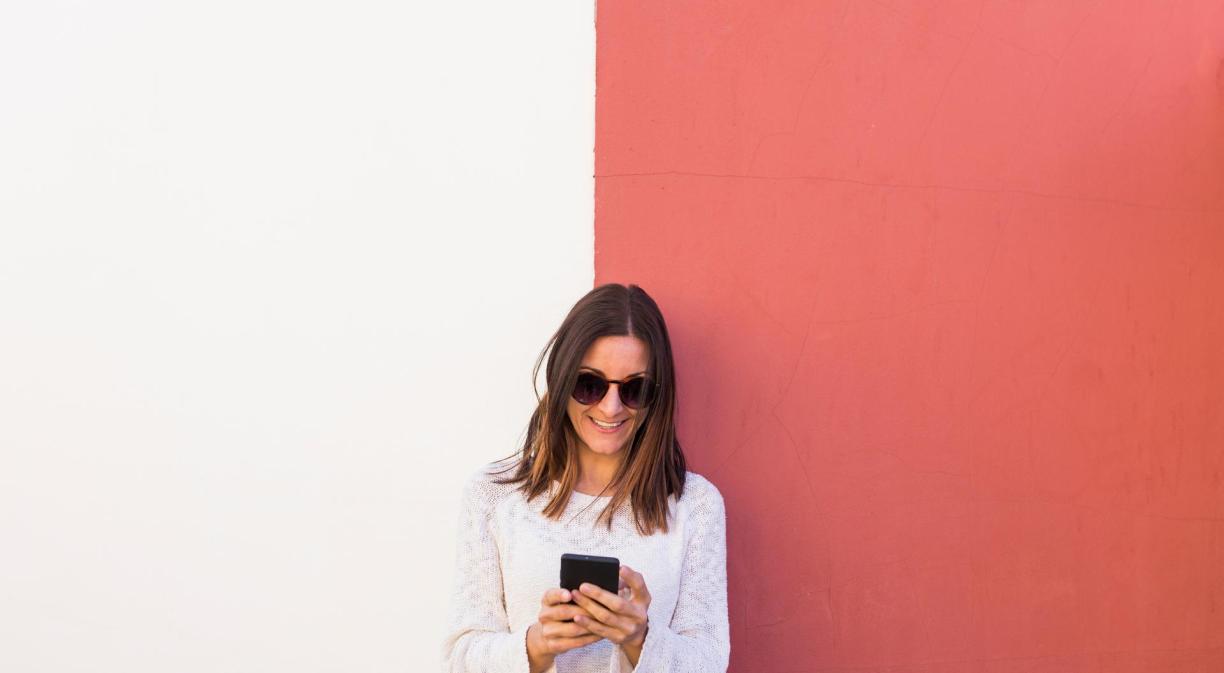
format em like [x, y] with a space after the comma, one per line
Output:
[615, 358]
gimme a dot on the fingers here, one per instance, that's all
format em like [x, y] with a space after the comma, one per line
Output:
[595, 613]
[555, 597]
[602, 630]
[617, 618]
[612, 617]
[606, 598]
[599, 613]
[557, 631]
[562, 613]
[636, 582]
[554, 630]
[616, 634]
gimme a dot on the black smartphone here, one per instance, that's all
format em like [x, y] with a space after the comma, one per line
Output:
[602, 571]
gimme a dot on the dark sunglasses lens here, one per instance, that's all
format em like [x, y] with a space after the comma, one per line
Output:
[635, 393]
[589, 389]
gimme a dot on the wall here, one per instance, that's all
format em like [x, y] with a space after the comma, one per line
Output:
[272, 279]
[944, 281]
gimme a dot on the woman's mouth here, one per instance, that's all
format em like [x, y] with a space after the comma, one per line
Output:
[607, 428]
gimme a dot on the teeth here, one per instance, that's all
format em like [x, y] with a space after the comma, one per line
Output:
[606, 425]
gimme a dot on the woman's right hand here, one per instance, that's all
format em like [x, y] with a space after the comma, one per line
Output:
[555, 631]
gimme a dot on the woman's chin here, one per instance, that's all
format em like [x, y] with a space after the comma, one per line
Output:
[604, 447]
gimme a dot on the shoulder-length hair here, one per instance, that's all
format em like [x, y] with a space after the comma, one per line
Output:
[654, 465]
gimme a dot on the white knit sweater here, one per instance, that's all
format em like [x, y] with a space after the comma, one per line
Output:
[509, 554]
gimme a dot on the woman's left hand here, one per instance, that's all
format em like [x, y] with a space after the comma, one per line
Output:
[619, 618]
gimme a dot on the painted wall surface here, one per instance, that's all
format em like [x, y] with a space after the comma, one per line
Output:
[945, 281]
[272, 279]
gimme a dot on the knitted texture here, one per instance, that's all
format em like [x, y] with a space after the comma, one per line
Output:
[509, 554]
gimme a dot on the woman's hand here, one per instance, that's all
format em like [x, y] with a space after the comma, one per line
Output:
[554, 632]
[619, 618]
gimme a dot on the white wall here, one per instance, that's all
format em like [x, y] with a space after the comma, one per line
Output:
[272, 278]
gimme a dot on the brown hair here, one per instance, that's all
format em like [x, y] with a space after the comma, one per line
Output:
[654, 466]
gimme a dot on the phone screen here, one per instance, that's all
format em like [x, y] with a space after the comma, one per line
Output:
[602, 571]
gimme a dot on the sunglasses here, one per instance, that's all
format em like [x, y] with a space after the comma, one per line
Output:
[635, 392]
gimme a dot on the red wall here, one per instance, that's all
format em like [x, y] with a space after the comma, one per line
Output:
[946, 282]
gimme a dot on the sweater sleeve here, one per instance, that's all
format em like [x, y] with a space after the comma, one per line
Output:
[478, 637]
[698, 638]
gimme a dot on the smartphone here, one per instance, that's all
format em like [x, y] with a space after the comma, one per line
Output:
[602, 571]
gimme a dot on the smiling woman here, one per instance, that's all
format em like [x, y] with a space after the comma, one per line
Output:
[603, 433]
[605, 422]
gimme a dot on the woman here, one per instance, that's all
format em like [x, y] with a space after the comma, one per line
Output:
[600, 473]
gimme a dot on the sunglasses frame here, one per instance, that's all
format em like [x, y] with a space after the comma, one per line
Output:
[647, 381]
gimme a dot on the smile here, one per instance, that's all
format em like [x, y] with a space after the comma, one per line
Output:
[607, 426]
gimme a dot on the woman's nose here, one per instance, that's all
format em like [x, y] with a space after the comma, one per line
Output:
[611, 405]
